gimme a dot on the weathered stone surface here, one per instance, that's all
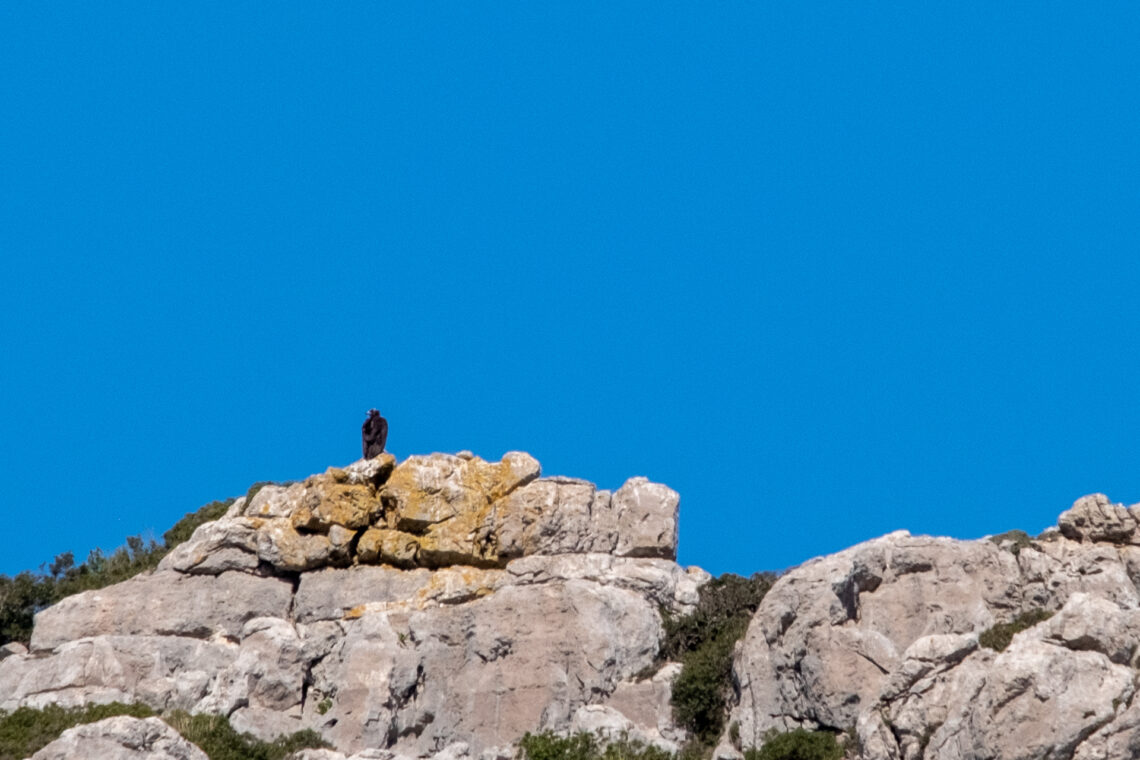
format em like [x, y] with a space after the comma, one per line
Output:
[646, 519]
[522, 658]
[282, 546]
[665, 583]
[431, 511]
[329, 594]
[121, 738]
[164, 603]
[216, 547]
[883, 639]
[267, 674]
[555, 516]
[646, 706]
[165, 672]
[389, 547]
[439, 608]
[1095, 518]
[12, 648]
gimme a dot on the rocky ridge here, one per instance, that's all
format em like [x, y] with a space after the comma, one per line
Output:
[404, 607]
[882, 641]
[444, 605]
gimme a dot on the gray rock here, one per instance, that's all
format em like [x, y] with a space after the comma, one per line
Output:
[164, 604]
[12, 648]
[646, 519]
[121, 738]
[523, 658]
[165, 672]
[1094, 518]
[216, 547]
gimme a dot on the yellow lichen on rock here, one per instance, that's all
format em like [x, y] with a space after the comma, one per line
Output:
[391, 547]
[447, 501]
[327, 502]
[456, 584]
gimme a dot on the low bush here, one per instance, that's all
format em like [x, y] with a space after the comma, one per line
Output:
[181, 531]
[25, 594]
[800, 744]
[221, 741]
[724, 603]
[550, 746]
[1015, 541]
[704, 642]
[999, 636]
[25, 731]
[586, 746]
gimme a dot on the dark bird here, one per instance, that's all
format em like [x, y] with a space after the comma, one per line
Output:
[374, 434]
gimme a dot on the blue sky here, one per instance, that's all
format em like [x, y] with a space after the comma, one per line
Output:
[827, 270]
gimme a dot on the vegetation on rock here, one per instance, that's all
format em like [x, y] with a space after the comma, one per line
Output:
[1015, 541]
[25, 594]
[999, 636]
[25, 731]
[219, 740]
[800, 744]
[586, 746]
[703, 641]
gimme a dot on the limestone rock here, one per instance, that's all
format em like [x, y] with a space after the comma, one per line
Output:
[554, 516]
[521, 659]
[1095, 518]
[646, 705]
[121, 738]
[215, 547]
[441, 608]
[646, 519]
[12, 648]
[164, 604]
[165, 672]
[389, 547]
[882, 639]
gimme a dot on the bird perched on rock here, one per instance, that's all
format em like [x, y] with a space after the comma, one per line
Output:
[374, 434]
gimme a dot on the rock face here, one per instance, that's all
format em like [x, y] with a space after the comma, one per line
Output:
[121, 738]
[443, 606]
[389, 607]
[884, 641]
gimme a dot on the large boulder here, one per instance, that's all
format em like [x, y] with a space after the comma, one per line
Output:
[894, 642]
[420, 607]
[121, 738]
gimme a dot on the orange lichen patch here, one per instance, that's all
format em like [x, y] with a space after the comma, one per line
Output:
[371, 608]
[326, 502]
[390, 547]
[456, 584]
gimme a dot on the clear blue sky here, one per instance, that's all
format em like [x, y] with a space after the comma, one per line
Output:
[828, 270]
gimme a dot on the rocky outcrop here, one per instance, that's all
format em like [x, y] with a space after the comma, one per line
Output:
[442, 606]
[398, 607]
[121, 738]
[884, 641]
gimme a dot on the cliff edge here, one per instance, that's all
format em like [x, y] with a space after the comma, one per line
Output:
[401, 606]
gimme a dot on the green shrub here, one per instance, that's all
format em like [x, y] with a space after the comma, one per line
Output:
[797, 745]
[25, 594]
[550, 746]
[700, 692]
[585, 746]
[999, 636]
[25, 731]
[704, 641]
[1018, 540]
[181, 531]
[220, 741]
[724, 602]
